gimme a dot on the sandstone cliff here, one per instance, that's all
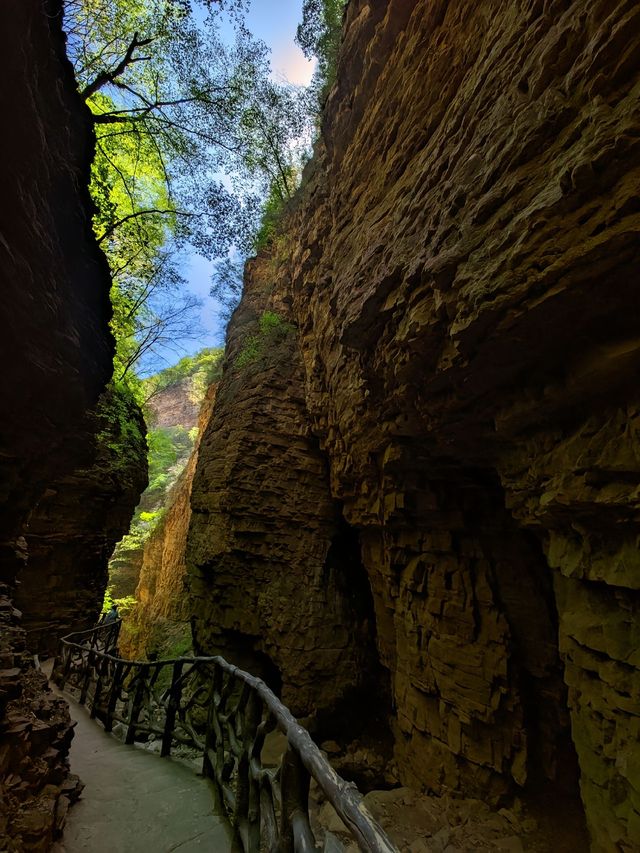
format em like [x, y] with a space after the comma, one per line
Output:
[150, 557]
[275, 576]
[457, 393]
[171, 414]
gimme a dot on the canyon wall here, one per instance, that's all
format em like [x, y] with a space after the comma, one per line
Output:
[274, 570]
[451, 413]
[73, 529]
[55, 342]
[171, 413]
[57, 352]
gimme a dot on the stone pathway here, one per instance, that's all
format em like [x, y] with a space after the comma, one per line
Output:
[134, 801]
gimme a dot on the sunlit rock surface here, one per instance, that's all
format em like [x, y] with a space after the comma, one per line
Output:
[462, 276]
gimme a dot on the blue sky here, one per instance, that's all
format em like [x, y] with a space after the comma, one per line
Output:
[274, 23]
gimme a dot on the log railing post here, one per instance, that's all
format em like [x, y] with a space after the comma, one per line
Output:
[102, 664]
[114, 694]
[66, 657]
[295, 797]
[175, 692]
[88, 666]
[247, 814]
[254, 718]
[136, 704]
[213, 745]
[265, 807]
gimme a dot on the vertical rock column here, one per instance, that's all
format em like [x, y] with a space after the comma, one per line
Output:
[582, 501]
[268, 589]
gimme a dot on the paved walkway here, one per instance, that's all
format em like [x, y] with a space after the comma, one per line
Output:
[135, 801]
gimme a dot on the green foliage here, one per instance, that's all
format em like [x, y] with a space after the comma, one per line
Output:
[203, 368]
[175, 106]
[272, 325]
[251, 351]
[272, 330]
[125, 605]
[168, 447]
[271, 212]
[163, 455]
[120, 438]
[319, 35]
[226, 284]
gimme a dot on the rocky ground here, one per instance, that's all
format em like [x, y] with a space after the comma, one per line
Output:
[419, 823]
[548, 822]
[36, 787]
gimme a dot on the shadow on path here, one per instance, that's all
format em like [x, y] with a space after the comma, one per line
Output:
[134, 801]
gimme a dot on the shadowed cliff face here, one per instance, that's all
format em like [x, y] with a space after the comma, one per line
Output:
[71, 532]
[58, 486]
[269, 583]
[462, 274]
[66, 498]
[55, 342]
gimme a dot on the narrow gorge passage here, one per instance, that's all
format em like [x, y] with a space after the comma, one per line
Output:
[334, 377]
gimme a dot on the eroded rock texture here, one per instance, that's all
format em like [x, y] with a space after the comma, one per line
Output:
[56, 352]
[36, 787]
[463, 276]
[175, 406]
[71, 532]
[65, 502]
[274, 569]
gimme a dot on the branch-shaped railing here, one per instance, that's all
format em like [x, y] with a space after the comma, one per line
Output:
[226, 714]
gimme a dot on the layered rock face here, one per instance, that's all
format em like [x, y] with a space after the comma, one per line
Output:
[274, 570]
[462, 271]
[175, 406]
[169, 408]
[36, 787]
[73, 529]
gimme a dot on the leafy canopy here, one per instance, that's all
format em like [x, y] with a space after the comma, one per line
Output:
[318, 35]
[191, 134]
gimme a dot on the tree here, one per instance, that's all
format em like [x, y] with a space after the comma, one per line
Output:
[191, 136]
[226, 284]
[165, 95]
[318, 35]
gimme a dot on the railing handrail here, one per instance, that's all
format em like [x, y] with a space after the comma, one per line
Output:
[98, 627]
[343, 796]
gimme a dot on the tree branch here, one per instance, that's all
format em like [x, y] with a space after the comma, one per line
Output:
[136, 214]
[109, 76]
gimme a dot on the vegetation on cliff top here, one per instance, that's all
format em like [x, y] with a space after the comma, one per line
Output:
[318, 35]
[178, 109]
[196, 146]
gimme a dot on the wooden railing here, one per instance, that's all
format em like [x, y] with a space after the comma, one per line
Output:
[226, 714]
